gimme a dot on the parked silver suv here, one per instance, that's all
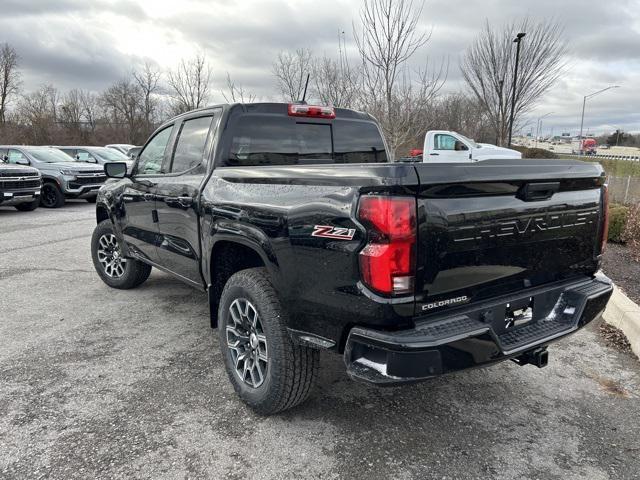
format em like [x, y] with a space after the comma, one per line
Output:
[62, 176]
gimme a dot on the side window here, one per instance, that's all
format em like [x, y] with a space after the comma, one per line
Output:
[444, 142]
[15, 156]
[191, 143]
[84, 156]
[150, 159]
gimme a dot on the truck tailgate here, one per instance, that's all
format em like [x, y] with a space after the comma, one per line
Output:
[499, 226]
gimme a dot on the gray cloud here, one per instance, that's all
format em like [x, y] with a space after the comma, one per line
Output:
[73, 43]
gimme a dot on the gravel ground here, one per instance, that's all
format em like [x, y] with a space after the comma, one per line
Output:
[623, 270]
[99, 383]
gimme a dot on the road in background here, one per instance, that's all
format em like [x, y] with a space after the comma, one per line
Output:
[101, 383]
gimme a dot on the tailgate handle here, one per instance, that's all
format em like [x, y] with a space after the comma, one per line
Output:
[538, 191]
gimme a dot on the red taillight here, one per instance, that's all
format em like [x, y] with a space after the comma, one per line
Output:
[299, 110]
[605, 215]
[415, 152]
[387, 262]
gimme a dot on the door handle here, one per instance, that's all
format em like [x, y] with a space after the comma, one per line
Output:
[186, 202]
[180, 202]
[434, 154]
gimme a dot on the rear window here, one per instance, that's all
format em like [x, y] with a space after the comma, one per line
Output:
[277, 140]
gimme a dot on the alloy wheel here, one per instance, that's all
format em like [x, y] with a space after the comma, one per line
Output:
[247, 343]
[110, 256]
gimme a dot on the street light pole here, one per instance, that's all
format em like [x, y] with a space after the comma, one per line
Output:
[584, 102]
[516, 40]
[538, 126]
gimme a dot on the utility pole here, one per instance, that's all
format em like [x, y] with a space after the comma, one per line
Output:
[516, 40]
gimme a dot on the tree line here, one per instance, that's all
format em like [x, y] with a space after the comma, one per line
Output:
[385, 73]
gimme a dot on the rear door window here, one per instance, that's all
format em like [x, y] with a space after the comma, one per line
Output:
[191, 143]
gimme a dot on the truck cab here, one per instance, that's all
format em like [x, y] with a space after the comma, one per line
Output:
[444, 146]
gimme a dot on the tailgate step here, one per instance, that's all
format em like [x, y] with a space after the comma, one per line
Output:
[527, 334]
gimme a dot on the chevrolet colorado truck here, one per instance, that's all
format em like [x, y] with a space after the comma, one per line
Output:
[62, 176]
[307, 238]
[19, 186]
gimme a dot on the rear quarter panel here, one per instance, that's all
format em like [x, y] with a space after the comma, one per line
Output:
[276, 210]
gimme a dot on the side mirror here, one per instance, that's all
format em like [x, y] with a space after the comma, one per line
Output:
[115, 169]
[5, 158]
[22, 161]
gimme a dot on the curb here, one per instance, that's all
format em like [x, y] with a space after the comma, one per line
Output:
[624, 314]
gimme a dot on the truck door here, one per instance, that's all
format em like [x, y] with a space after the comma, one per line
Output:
[139, 221]
[177, 195]
[448, 148]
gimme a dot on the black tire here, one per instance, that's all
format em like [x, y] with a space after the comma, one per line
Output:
[91, 199]
[291, 370]
[28, 207]
[134, 272]
[51, 196]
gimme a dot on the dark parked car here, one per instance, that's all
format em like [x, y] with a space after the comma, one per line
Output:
[307, 239]
[99, 155]
[19, 185]
[62, 176]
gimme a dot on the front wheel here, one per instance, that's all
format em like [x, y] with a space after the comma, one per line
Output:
[114, 269]
[268, 371]
[51, 196]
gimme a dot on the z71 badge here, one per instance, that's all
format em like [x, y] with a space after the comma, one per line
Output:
[337, 233]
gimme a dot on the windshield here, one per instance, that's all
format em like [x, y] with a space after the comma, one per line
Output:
[50, 155]
[111, 154]
[470, 141]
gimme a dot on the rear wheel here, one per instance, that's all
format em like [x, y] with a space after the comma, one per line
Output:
[268, 371]
[51, 196]
[28, 207]
[114, 269]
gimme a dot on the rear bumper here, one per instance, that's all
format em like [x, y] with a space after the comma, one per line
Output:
[474, 336]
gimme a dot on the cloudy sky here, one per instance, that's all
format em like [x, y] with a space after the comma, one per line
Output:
[91, 43]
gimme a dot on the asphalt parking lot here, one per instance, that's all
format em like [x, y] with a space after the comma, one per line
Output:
[100, 383]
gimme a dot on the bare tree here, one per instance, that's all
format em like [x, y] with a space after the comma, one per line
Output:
[9, 77]
[488, 68]
[190, 84]
[235, 93]
[123, 103]
[387, 37]
[336, 82]
[90, 109]
[290, 70]
[39, 111]
[148, 80]
[462, 113]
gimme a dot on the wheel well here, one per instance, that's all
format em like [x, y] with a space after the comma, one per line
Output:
[228, 258]
[101, 214]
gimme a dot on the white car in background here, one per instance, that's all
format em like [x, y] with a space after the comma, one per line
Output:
[121, 147]
[443, 146]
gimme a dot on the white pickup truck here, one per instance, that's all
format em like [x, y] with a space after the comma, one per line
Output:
[443, 146]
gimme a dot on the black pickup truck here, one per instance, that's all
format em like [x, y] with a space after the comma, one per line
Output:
[306, 238]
